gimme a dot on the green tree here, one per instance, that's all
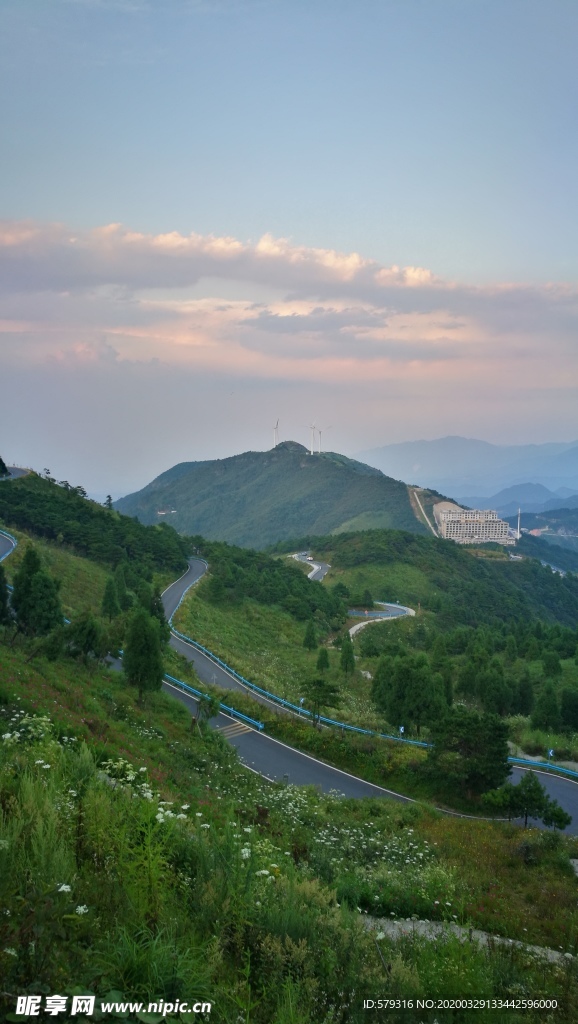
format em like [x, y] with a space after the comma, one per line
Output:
[157, 611]
[207, 707]
[467, 678]
[30, 565]
[124, 597]
[142, 657]
[422, 696]
[528, 799]
[43, 609]
[382, 682]
[4, 606]
[320, 694]
[551, 664]
[495, 694]
[511, 649]
[555, 816]
[110, 607]
[322, 660]
[108, 502]
[3, 467]
[35, 599]
[569, 708]
[347, 660]
[438, 653]
[310, 638]
[85, 637]
[523, 700]
[470, 751]
[546, 713]
[533, 649]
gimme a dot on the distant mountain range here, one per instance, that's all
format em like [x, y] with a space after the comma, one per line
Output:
[527, 497]
[464, 466]
[258, 498]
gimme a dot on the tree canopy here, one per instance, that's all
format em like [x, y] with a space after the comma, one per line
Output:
[470, 751]
[142, 657]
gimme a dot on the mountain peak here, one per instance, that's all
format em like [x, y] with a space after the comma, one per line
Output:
[258, 498]
[290, 446]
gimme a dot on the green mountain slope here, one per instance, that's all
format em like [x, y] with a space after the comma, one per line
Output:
[462, 586]
[259, 498]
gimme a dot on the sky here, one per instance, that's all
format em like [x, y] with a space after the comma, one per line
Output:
[217, 214]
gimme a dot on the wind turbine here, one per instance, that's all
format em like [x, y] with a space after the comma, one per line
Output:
[312, 429]
[320, 431]
[276, 434]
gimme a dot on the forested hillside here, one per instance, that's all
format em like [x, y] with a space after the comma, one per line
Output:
[237, 573]
[259, 498]
[61, 513]
[462, 586]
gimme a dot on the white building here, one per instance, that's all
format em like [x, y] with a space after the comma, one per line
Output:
[471, 526]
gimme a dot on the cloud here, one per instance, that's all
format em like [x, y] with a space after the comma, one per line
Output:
[327, 315]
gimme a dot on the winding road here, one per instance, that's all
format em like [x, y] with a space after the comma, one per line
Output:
[267, 756]
[275, 760]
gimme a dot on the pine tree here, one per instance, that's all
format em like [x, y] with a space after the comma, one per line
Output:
[23, 581]
[529, 798]
[142, 657]
[310, 639]
[157, 611]
[470, 750]
[546, 714]
[320, 695]
[3, 467]
[35, 599]
[84, 637]
[511, 650]
[42, 611]
[208, 707]
[551, 664]
[110, 607]
[569, 708]
[417, 696]
[124, 598]
[347, 660]
[525, 695]
[4, 606]
[322, 660]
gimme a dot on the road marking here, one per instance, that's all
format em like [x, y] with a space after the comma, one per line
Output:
[233, 730]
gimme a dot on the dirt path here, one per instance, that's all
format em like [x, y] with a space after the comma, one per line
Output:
[435, 929]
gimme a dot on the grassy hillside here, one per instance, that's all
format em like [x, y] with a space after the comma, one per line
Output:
[82, 582]
[252, 890]
[138, 857]
[259, 498]
[60, 513]
[461, 585]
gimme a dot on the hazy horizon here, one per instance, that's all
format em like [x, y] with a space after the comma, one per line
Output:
[217, 215]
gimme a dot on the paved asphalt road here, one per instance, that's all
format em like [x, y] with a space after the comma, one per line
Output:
[278, 761]
[262, 753]
[320, 569]
[275, 760]
[6, 547]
